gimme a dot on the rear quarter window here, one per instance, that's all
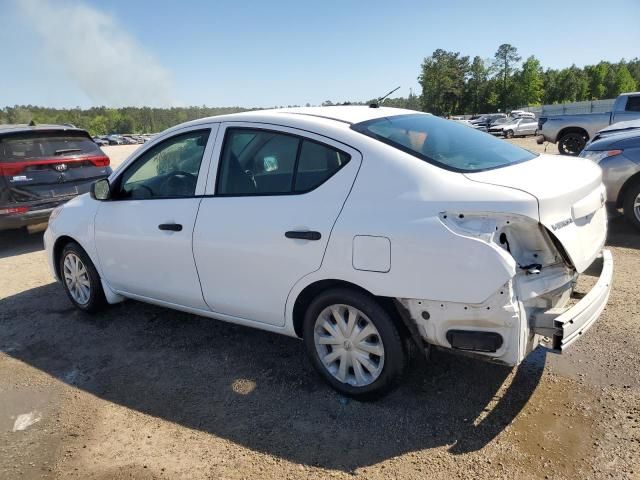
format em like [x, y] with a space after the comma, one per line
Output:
[39, 145]
[444, 143]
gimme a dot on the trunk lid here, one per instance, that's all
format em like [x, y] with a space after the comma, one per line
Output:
[570, 198]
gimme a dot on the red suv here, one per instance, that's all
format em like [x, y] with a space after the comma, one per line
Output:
[43, 166]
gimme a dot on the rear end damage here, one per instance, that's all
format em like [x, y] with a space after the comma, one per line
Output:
[528, 310]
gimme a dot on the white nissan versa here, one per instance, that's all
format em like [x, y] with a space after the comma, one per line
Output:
[357, 229]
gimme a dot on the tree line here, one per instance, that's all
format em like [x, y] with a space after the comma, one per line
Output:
[103, 120]
[455, 84]
[451, 84]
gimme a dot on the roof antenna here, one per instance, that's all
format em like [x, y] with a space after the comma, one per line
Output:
[376, 103]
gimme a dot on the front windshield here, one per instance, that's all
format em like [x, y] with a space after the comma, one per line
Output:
[444, 143]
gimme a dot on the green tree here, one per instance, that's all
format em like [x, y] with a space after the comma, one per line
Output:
[597, 75]
[624, 80]
[98, 125]
[573, 85]
[476, 86]
[530, 82]
[504, 63]
[442, 79]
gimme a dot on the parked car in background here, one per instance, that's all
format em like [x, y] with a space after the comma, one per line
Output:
[485, 121]
[617, 150]
[114, 139]
[358, 229]
[521, 114]
[519, 127]
[496, 127]
[42, 167]
[572, 132]
[129, 140]
[101, 142]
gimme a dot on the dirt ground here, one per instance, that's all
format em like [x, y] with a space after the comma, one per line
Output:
[143, 392]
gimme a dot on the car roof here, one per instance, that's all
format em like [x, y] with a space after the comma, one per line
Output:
[344, 115]
[20, 128]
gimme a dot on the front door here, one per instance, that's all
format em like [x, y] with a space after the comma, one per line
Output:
[277, 195]
[144, 233]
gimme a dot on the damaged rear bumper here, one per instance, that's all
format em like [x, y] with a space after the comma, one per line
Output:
[563, 326]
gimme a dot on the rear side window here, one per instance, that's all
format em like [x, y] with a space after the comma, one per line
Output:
[633, 104]
[317, 163]
[40, 145]
[265, 162]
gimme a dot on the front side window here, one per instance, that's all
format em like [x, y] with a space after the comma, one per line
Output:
[444, 143]
[168, 170]
[265, 162]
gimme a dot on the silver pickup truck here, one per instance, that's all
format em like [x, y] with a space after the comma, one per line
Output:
[572, 132]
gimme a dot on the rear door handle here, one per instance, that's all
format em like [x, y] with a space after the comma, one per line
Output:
[172, 227]
[303, 235]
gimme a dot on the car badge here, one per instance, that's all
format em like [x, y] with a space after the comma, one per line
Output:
[61, 167]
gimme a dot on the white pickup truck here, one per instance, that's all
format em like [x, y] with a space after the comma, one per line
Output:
[572, 132]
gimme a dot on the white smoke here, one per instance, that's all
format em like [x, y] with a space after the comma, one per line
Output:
[107, 63]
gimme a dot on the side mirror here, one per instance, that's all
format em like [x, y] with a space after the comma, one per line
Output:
[101, 190]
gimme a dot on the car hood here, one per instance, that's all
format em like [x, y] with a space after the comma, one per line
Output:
[570, 199]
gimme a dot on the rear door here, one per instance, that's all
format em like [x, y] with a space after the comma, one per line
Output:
[45, 166]
[266, 223]
[528, 126]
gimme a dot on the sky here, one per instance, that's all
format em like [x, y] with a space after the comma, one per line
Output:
[67, 53]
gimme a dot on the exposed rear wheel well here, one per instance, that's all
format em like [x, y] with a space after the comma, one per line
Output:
[311, 291]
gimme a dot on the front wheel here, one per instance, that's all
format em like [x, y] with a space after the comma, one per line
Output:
[354, 343]
[572, 143]
[631, 205]
[508, 134]
[80, 279]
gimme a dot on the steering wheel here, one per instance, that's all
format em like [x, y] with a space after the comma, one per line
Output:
[183, 182]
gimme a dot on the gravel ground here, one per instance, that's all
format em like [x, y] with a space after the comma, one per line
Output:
[143, 392]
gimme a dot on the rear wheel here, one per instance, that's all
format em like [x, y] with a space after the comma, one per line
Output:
[508, 133]
[572, 143]
[80, 279]
[631, 205]
[354, 343]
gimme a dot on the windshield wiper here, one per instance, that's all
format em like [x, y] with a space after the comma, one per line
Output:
[67, 150]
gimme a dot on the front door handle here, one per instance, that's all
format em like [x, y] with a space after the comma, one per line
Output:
[171, 227]
[303, 235]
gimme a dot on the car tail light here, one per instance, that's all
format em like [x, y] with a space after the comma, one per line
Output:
[99, 161]
[9, 211]
[541, 121]
[14, 168]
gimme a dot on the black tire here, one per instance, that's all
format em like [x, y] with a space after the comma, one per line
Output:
[96, 299]
[508, 134]
[572, 143]
[395, 354]
[630, 196]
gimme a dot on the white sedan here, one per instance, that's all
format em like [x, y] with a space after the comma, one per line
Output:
[357, 229]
